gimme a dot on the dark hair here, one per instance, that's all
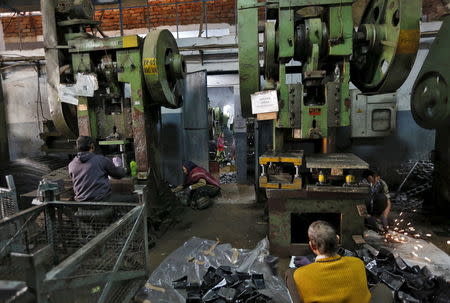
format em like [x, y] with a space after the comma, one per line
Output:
[84, 143]
[368, 172]
[323, 236]
[189, 165]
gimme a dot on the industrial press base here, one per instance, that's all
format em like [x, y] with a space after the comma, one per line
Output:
[291, 212]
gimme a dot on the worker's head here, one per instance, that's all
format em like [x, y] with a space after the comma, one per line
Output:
[323, 239]
[85, 144]
[188, 166]
[371, 176]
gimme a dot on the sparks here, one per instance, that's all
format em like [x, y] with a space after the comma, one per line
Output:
[415, 255]
[428, 235]
[428, 259]
[401, 213]
[420, 245]
[416, 248]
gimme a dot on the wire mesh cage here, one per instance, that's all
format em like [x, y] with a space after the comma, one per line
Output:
[8, 198]
[76, 252]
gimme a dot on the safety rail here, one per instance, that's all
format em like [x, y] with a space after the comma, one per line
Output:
[74, 251]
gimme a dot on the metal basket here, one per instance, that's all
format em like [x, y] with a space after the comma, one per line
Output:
[77, 251]
[8, 199]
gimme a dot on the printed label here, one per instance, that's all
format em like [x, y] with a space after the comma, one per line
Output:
[314, 111]
[150, 66]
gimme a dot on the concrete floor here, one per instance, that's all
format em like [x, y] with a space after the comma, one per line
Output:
[234, 218]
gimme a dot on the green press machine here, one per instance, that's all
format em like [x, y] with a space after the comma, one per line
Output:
[310, 53]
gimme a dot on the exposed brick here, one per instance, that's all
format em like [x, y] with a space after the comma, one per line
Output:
[218, 11]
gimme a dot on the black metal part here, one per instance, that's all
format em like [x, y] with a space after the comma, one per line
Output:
[258, 280]
[194, 297]
[227, 293]
[180, 283]
[224, 284]
[391, 280]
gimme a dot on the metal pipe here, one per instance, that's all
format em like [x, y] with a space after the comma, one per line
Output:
[409, 174]
[121, 17]
[21, 58]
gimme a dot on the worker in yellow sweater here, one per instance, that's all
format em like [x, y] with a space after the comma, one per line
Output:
[331, 278]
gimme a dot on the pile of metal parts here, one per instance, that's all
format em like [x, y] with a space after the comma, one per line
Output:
[411, 284]
[27, 172]
[67, 251]
[417, 181]
[227, 178]
[215, 272]
[224, 284]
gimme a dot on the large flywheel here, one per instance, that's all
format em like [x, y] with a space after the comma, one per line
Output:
[164, 68]
[386, 45]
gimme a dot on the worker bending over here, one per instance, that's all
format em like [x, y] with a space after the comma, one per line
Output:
[331, 278]
[199, 186]
[379, 203]
[89, 173]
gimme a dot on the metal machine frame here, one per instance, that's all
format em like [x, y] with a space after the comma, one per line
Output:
[314, 43]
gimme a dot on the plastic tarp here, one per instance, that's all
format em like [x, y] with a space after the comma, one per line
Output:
[193, 260]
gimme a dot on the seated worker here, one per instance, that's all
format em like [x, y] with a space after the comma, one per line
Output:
[89, 173]
[198, 185]
[331, 278]
[378, 203]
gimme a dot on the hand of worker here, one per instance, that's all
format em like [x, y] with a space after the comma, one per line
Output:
[177, 189]
[117, 161]
[188, 190]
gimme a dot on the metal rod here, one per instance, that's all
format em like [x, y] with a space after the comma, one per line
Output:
[407, 176]
[119, 260]
[2, 250]
[79, 281]
[21, 58]
[121, 17]
[177, 20]
[22, 214]
[77, 204]
[206, 18]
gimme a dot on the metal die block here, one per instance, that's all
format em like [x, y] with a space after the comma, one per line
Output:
[291, 212]
[280, 179]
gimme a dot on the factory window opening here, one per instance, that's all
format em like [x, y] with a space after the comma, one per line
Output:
[301, 221]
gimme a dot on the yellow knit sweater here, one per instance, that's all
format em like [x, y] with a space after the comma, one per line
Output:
[333, 280]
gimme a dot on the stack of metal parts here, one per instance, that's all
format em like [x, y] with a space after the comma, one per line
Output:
[417, 180]
[72, 252]
[227, 178]
[411, 284]
[27, 172]
[223, 284]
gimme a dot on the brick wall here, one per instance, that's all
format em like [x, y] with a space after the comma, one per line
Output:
[217, 11]
[160, 12]
[433, 9]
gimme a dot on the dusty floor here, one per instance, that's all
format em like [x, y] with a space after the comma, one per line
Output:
[241, 225]
[235, 218]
